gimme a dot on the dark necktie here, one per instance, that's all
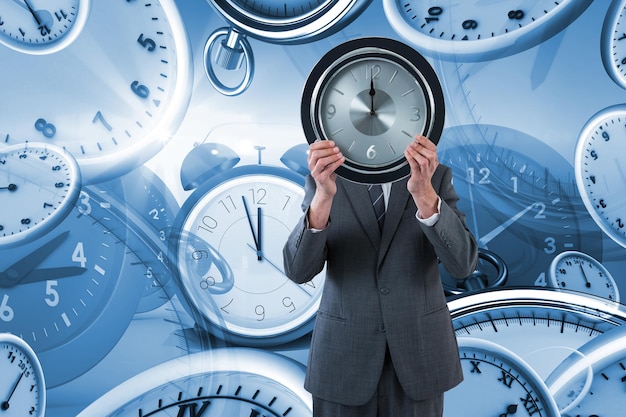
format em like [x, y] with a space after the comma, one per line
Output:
[376, 195]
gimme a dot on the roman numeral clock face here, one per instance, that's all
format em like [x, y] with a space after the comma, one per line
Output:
[372, 97]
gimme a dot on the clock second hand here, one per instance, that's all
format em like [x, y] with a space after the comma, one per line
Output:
[281, 271]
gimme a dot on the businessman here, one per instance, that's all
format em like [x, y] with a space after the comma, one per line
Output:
[383, 343]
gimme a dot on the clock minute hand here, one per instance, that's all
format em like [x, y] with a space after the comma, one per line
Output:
[44, 274]
[372, 93]
[259, 255]
[495, 232]
[10, 187]
[28, 263]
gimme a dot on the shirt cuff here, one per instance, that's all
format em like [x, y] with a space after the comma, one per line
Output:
[432, 219]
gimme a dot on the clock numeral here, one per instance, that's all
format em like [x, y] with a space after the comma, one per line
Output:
[147, 43]
[47, 129]
[331, 111]
[530, 405]
[100, 118]
[139, 89]
[469, 24]
[506, 379]
[193, 409]
[434, 13]
[6, 312]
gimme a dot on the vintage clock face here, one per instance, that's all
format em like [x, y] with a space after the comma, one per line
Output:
[39, 186]
[372, 96]
[229, 255]
[220, 382]
[514, 388]
[22, 386]
[479, 30]
[110, 124]
[600, 174]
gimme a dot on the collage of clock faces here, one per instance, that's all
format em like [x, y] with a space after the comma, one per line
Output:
[153, 161]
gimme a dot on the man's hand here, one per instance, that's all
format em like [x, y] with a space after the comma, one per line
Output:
[323, 159]
[422, 157]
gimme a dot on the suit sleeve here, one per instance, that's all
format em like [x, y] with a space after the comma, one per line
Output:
[304, 253]
[454, 244]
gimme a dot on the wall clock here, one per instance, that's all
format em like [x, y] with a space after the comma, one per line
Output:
[23, 384]
[219, 382]
[478, 30]
[599, 164]
[111, 124]
[372, 96]
[39, 185]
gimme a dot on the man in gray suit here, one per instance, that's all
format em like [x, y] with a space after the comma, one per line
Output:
[383, 343]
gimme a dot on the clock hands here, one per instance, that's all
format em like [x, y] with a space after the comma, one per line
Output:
[582, 269]
[281, 271]
[372, 93]
[255, 236]
[5, 404]
[10, 187]
[19, 270]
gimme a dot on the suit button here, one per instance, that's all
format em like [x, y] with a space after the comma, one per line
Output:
[381, 328]
[384, 291]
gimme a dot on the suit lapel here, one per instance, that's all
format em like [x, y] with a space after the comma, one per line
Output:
[362, 206]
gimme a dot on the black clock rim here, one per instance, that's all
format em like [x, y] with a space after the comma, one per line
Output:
[380, 46]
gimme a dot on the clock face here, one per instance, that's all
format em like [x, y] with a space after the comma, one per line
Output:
[372, 96]
[600, 174]
[237, 382]
[479, 30]
[41, 27]
[232, 231]
[515, 389]
[22, 384]
[110, 124]
[39, 186]
[578, 271]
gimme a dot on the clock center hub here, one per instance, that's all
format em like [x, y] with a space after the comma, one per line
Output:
[372, 116]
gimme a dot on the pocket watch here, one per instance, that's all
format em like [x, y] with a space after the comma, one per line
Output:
[280, 22]
[232, 229]
[372, 96]
[613, 42]
[490, 367]
[577, 271]
[39, 186]
[41, 27]
[78, 284]
[234, 381]
[599, 168]
[23, 385]
[114, 123]
[477, 30]
[529, 194]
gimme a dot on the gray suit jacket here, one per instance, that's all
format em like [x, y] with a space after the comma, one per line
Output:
[382, 289]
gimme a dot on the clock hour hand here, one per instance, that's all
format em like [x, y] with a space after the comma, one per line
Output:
[510, 410]
[43, 274]
[259, 255]
[587, 283]
[28, 263]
